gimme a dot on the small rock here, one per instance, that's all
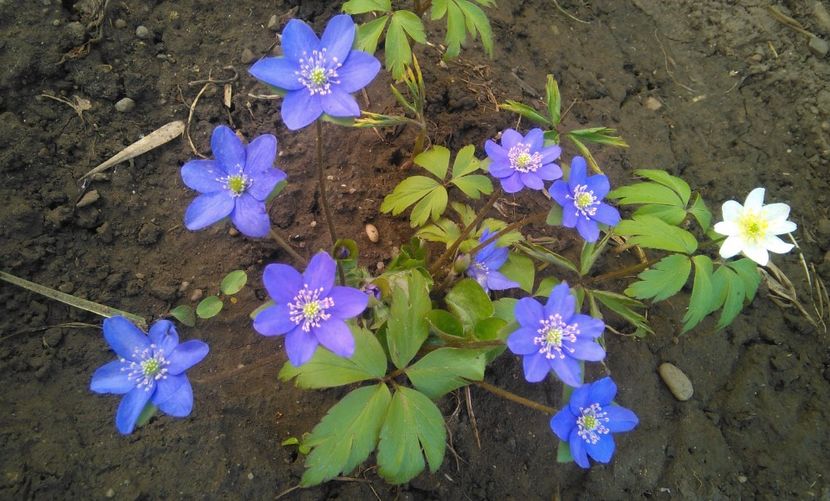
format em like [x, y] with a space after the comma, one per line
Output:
[819, 47]
[125, 105]
[822, 17]
[678, 383]
[183, 286]
[110, 493]
[652, 103]
[149, 234]
[273, 23]
[250, 475]
[372, 233]
[142, 32]
[120, 24]
[89, 198]
[196, 295]
[380, 266]
[105, 232]
[248, 56]
[742, 479]
[233, 232]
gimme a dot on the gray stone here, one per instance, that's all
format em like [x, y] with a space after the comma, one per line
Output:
[818, 46]
[652, 103]
[89, 198]
[677, 382]
[120, 23]
[143, 32]
[274, 23]
[125, 105]
[822, 17]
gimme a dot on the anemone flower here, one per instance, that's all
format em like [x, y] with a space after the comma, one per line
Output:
[523, 161]
[581, 200]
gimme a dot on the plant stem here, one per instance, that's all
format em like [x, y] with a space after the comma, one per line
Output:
[287, 247]
[515, 398]
[321, 179]
[466, 231]
[507, 229]
[622, 272]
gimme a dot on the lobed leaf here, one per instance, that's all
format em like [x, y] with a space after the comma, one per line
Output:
[647, 193]
[731, 294]
[368, 34]
[662, 280]
[456, 30]
[432, 206]
[446, 369]
[678, 185]
[624, 307]
[443, 230]
[184, 314]
[477, 23]
[407, 327]
[474, 185]
[654, 233]
[397, 50]
[747, 270]
[702, 293]
[553, 99]
[598, 135]
[671, 215]
[436, 160]
[362, 6]
[701, 213]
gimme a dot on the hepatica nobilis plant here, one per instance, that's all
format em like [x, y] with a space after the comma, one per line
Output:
[468, 287]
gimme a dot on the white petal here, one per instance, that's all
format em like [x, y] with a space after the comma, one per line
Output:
[757, 253]
[755, 199]
[776, 245]
[727, 228]
[779, 227]
[732, 210]
[731, 247]
[775, 211]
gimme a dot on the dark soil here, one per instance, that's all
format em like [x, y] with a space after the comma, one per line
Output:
[743, 103]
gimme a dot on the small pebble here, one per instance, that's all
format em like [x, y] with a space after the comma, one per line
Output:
[652, 104]
[233, 232]
[248, 56]
[183, 286]
[89, 198]
[142, 32]
[677, 382]
[821, 16]
[742, 479]
[110, 493]
[273, 23]
[372, 233]
[196, 295]
[120, 23]
[250, 475]
[818, 46]
[125, 105]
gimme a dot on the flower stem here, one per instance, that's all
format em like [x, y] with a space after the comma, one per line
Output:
[454, 247]
[287, 247]
[515, 398]
[622, 272]
[321, 179]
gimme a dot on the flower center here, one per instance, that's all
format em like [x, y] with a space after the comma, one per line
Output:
[237, 184]
[585, 201]
[522, 160]
[753, 226]
[552, 334]
[317, 72]
[151, 366]
[308, 308]
[590, 423]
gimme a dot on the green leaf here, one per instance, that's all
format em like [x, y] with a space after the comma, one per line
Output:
[701, 213]
[346, 435]
[546, 255]
[407, 326]
[598, 135]
[209, 307]
[554, 216]
[411, 23]
[327, 370]
[477, 22]
[520, 269]
[747, 270]
[233, 282]
[363, 6]
[671, 215]
[259, 309]
[590, 253]
[474, 185]
[553, 100]
[732, 293]
[469, 303]
[398, 53]
[647, 193]
[456, 30]
[654, 233]
[368, 34]
[431, 206]
[504, 308]
[446, 369]
[412, 423]
[662, 280]
[439, 9]
[563, 451]
[465, 212]
[465, 162]
[436, 160]
[146, 414]
[526, 112]
[446, 325]
[624, 307]
[407, 192]
[184, 314]
[678, 185]
[546, 286]
[489, 329]
[702, 293]
[443, 230]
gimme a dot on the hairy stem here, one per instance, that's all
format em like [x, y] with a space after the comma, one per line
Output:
[447, 255]
[507, 395]
[287, 247]
[622, 272]
[321, 180]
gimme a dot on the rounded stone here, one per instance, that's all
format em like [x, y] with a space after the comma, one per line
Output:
[142, 32]
[372, 233]
[678, 383]
[125, 105]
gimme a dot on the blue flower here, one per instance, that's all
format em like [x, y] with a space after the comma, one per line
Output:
[581, 200]
[523, 161]
[309, 309]
[486, 265]
[236, 184]
[318, 75]
[150, 368]
[555, 337]
[589, 419]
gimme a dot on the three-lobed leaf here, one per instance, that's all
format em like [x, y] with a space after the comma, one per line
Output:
[446, 369]
[662, 280]
[184, 314]
[654, 233]
[428, 195]
[368, 34]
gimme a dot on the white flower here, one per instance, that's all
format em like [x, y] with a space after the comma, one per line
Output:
[752, 228]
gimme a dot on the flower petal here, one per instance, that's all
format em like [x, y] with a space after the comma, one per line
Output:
[586, 349]
[532, 181]
[298, 40]
[260, 154]
[560, 301]
[578, 172]
[277, 71]
[775, 211]
[163, 334]
[602, 392]
[207, 209]
[319, 274]
[124, 337]
[776, 245]
[528, 312]
[348, 302]
[779, 227]
[588, 229]
[521, 342]
[731, 210]
[110, 378]
[727, 228]
[549, 172]
[551, 153]
[339, 103]
[562, 423]
[755, 200]
[338, 37]
[579, 399]
[358, 71]
[570, 216]
[560, 192]
[495, 152]
[589, 326]
[186, 355]
[620, 419]
[602, 450]
[536, 139]
[174, 396]
[536, 367]
[578, 451]
[606, 215]
[300, 108]
[757, 253]
[732, 246]
[228, 149]
[496, 281]
[203, 176]
[130, 408]
[274, 321]
[568, 370]
[510, 138]
[249, 216]
[265, 182]
[598, 184]
[282, 282]
[336, 336]
[501, 168]
[512, 183]
[300, 346]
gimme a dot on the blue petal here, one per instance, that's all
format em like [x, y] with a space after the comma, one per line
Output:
[265, 182]
[586, 349]
[532, 181]
[339, 103]
[260, 154]
[336, 336]
[500, 168]
[580, 399]
[249, 216]
[496, 258]
[536, 139]
[510, 138]
[163, 334]
[528, 312]
[338, 37]
[521, 342]
[282, 282]
[588, 229]
[607, 215]
[620, 419]
[603, 391]
[186, 355]
[602, 450]
[228, 149]
[560, 301]
[551, 153]
[578, 451]
[319, 274]
[599, 185]
[124, 337]
[570, 216]
[562, 423]
[300, 346]
[300, 108]
[207, 209]
[549, 172]
[298, 40]
[512, 183]
[536, 367]
[348, 302]
[203, 176]
[277, 71]
[109, 378]
[496, 281]
[274, 321]
[174, 396]
[495, 152]
[588, 325]
[578, 172]
[568, 371]
[130, 408]
[358, 71]
[560, 192]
